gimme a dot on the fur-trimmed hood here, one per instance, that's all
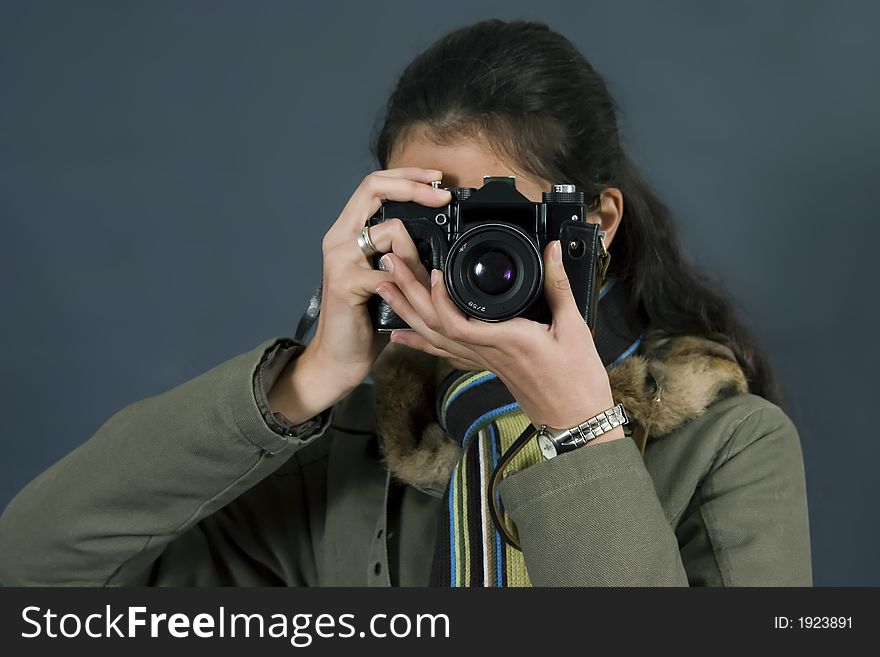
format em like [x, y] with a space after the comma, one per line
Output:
[669, 381]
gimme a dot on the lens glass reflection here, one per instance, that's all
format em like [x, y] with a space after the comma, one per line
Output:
[494, 272]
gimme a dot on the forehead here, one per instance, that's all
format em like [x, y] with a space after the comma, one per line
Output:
[463, 162]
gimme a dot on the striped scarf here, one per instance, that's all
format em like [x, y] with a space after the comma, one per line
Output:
[476, 409]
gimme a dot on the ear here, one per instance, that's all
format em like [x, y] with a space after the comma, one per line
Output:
[609, 213]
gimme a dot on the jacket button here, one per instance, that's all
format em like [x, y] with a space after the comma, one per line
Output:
[379, 534]
[377, 568]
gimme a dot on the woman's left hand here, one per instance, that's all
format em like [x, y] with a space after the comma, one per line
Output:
[554, 372]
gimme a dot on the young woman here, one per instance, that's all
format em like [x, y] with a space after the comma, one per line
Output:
[285, 466]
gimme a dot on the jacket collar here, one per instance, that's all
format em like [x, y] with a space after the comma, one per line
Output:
[669, 381]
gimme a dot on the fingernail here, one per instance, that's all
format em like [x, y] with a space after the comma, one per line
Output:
[556, 252]
[435, 276]
[382, 293]
[442, 192]
[386, 262]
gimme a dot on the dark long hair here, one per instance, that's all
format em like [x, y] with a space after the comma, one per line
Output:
[547, 110]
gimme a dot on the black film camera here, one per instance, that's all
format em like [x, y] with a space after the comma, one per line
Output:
[489, 242]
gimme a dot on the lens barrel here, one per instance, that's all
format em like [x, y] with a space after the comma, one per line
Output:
[494, 271]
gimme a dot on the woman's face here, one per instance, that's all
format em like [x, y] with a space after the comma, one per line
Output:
[463, 163]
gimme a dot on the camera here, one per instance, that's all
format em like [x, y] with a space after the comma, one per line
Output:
[489, 244]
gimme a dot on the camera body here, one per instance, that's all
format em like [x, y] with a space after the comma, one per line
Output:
[489, 243]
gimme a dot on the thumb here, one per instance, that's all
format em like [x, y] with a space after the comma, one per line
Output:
[557, 288]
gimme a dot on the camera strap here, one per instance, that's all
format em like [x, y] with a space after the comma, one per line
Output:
[310, 315]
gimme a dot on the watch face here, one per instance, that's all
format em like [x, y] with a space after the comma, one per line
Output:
[548, 449]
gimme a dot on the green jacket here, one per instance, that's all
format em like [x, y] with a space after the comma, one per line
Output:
[203, 485]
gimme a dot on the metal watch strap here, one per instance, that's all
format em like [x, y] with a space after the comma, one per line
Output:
[553, 442]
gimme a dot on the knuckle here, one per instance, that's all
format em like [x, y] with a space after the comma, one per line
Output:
[562, 283]
[514, 344]
[397, 227]
[337, 253]
[459, 332]
[369, 182]
[327, 243]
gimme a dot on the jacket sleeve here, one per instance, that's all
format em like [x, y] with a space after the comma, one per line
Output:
[152, 476]
[592, 517]
[748, 522]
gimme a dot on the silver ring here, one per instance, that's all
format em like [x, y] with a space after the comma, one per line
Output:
[365, 243]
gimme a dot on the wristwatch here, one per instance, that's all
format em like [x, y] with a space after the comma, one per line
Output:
[554, 442]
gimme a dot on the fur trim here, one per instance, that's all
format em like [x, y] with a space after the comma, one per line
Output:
[671, 380]
[405, 386]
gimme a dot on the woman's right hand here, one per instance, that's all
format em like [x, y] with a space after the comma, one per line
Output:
[345, 345]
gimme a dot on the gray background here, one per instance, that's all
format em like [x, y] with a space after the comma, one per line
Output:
[167, 171]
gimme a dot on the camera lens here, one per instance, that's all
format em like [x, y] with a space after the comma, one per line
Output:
[493, 272]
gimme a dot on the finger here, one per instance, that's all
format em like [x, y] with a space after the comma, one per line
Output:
[557, 290]
[401, 305]
[416, 293]
[372, 192]
[415, 341]
[413, 173]
[354, 285]
[392, 236]
[459, 326]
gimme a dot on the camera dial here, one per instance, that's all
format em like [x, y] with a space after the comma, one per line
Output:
[461, 193]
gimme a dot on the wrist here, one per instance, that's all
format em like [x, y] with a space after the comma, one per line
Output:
[303, 390]
[567, 414]
[603, 427]
[615, 434]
